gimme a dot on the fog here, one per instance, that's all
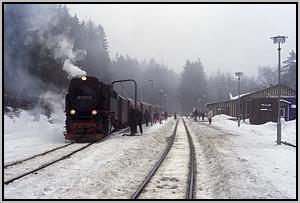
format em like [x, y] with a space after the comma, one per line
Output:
[228, 37]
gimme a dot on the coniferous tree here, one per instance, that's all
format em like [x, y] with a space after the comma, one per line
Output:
[192, 85]
[289, 75]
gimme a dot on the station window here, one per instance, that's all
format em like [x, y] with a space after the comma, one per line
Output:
[282, 112]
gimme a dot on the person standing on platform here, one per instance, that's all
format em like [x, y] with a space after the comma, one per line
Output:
[132, 120]
[147, 117]
[209, 116]
[139, 116]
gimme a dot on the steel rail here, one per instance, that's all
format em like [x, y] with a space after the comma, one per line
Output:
[156, 166]
[47, 164]
[37, 155]
[50, 163]
[54, 149]
[192, 166]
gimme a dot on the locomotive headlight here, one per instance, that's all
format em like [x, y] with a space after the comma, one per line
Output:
[83, 78]
[94, 112]
[72, 111]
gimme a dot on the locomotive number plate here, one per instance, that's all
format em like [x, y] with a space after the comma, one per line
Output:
[84, 97]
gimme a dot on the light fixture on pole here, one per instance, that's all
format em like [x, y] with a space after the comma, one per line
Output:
[199, 103]
[278, 40]
[152, 83]
[203, 103]
[161, 93]
[167, 99]
[238, 74]
[220, 87]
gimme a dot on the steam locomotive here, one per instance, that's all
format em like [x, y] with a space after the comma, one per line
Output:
[94, 110]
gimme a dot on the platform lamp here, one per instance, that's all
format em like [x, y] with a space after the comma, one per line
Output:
[161, 93]
[199, 103]
[220, 88]
[165, 100]
[278, 40]
[239, 74]
[151, 95]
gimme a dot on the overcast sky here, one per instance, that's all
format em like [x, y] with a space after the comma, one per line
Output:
[229, 37]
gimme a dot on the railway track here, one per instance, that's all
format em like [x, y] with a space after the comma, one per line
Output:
[19, 169]
[36, 155]
[167, 179]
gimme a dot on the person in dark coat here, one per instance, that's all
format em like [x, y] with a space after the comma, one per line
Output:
[147, 117]
[202, 115]
[195, 115]
[175, 116]
[209, 116]
[132, 121]
[155, 117]
[139, 116]
[166, 115]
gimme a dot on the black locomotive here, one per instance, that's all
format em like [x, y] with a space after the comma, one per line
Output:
[88, 109]
[93, 109]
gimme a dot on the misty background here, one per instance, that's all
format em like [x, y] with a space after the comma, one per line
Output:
[45, 45]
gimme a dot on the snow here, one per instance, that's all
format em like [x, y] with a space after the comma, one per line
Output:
[283, 100]
[232, 162]
[171, 177]
[27, 133]
[236, 97]
[113, 168]
[267, 131]
[245, 162]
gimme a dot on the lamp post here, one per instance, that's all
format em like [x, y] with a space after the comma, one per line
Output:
[165, 100]
[204, 99]
[151, 100]
[161, 93]
[278, 40]
[152, 83]
[199, 103]
[238, 74]
[220, 87]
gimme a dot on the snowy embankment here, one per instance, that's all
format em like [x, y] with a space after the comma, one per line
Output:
[245, 162]
[112, 168]
[265, 131]
[27, 133]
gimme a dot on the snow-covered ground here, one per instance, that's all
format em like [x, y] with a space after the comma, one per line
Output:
[170, 181]
[232, 162]
[113, 168]
[244, 162]
[265, 131]
[27, 133]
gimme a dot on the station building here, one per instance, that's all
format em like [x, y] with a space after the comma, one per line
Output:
[260, 106]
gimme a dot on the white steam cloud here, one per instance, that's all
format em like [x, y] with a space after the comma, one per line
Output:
[72, 70]
[63, 49]
[42, 18]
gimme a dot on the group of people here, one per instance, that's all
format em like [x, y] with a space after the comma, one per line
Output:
[136, 118]
[159, 117]
[196, 114]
